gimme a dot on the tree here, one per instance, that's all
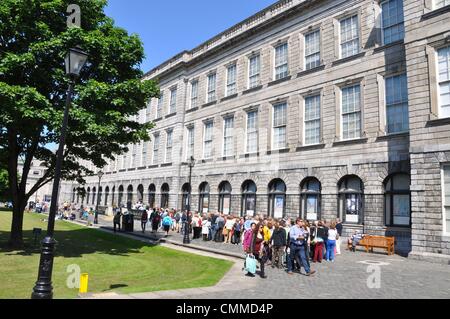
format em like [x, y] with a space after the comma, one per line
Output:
[5, 194]
[34, 40]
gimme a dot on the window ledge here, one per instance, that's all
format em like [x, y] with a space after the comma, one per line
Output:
[192, 109]
[310, 147]
[435, 13]
[280, 151]
[229, 97]
[158, 119]
[122, 170]
[349, 58]
[386, 46]
[171, 114]
[207, 160]
[306, 72]
[349, 142]
[209, 103]
[108, 173]
[248, 155]
[227, 158]
[387, 136]
[287, 78]
[142, 167]
[154, 166]
[438, 122]
[253, 89]
[166, 164]
[131, 169]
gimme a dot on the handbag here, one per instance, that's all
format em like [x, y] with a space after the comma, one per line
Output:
[250, 264]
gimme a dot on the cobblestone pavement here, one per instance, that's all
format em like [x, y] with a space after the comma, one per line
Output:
[347, 278]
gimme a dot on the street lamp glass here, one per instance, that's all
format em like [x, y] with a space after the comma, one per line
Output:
[192, 161]
[75, 61]
[100, 174]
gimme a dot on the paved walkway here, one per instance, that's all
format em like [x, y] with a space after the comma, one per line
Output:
[352, 276]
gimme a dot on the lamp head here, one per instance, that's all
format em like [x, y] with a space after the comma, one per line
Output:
[75, 61]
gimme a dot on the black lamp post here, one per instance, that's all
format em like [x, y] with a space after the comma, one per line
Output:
[186, 239]
[100, 175]
[43, 289]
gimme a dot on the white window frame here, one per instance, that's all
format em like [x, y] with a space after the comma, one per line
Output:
[173, 100]
[211, 94]
[160, 106]
[144, 153]
[445, 3]
[208, 141]
[445, 231]
[438, 88]
[358, 26]
[155, 151]
[194, 97]
[360, 112]
[382, 25]
[273, 126]
[285, 43]
[387, 105]
[231, 88]
[320, 48]
[319, 119]
[252, 84]
[189, 144]
[247, 151]
[169, 146]
[224, 154]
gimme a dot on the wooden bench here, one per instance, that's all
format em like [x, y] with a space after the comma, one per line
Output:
[370, 242]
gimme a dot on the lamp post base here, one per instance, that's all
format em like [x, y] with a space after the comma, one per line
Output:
[186, 239]
[43, 288]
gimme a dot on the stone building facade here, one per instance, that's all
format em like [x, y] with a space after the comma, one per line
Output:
[319, 109]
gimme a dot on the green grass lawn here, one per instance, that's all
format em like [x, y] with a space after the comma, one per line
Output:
[113, 263]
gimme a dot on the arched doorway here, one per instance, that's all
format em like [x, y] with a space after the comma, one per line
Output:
[140, 193]
[151, 195]
[248, 198]
[129, 196]
[185, 196]
[165, 195]
[106, 195]
[351, 199]
[120, 196]
[94, 195]
[277, 198]
[310, 199]
[225, 197]
[204, 191]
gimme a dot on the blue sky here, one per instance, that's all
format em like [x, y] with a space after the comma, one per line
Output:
[171, 26]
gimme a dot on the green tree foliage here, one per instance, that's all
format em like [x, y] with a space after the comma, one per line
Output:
[34, 40]
[5, 194]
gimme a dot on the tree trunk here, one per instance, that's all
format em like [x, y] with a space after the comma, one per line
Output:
[16, 236]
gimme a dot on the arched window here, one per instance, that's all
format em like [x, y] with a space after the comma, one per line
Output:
[311, 199]
[165, 195]
[129, 196]
[204, 191]
[100, 194]
[397, 200]
[120, 198]
[185, 198]
[74, 194]
[140, 193]
[88, 195]
[151, 195]
[83, 195]
[113, 200]
[351, 199]
[225, 198]
[106, 195]
[248, 199]
[94, 195]
[277, 198]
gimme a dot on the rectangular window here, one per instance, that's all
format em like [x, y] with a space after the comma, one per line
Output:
[133, 156]
[349, 36]
[148, 111]
[194, 94]
[351, 112]
[190, 143]
[231, 80]
[312, 50]
[211, 87]
[159, 108]
[281, 61]
[397, 104]
[312, 120]
[446, 198]
[156, 149]
[444, 81]
[279, 126]
[392, 20]
[169, 145]
[252, 132]
[228, 126]
[442, 3]
[208, 140]
[144, 153]
[254, 71]
[173, 101]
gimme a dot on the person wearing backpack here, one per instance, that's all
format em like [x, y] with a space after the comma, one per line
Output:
[155, 218]
[177, 221]
[166, 223]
